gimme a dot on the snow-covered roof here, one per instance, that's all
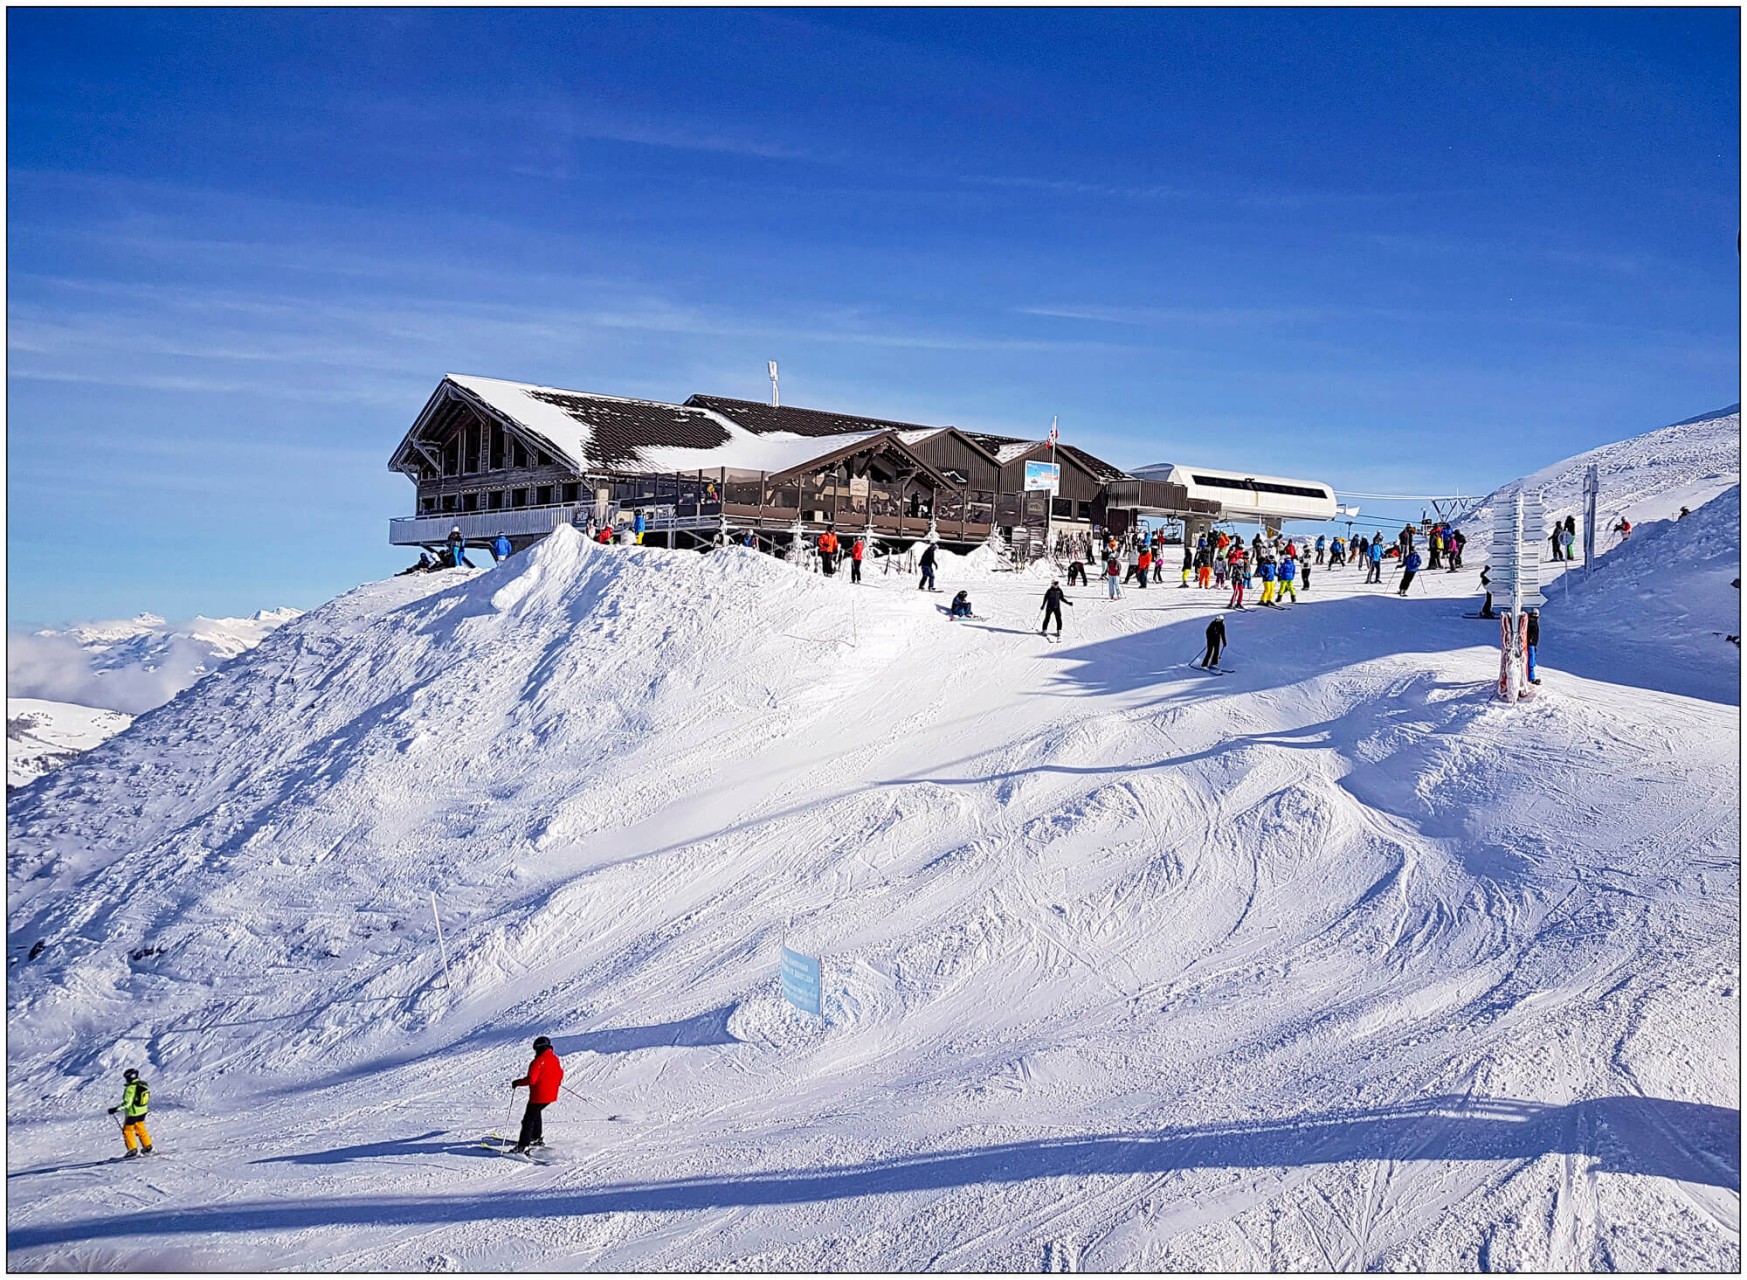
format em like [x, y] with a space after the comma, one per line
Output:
[590, 432]
[586, 428]
[1015, 450]
[768, 453]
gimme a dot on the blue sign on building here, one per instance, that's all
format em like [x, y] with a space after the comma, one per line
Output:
[801, 983]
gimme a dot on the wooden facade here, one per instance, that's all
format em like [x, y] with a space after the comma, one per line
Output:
[493, 456]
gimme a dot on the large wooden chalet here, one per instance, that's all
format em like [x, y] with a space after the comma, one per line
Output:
[496, 457]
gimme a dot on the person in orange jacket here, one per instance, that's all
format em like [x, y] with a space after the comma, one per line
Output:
[828, 551]
[545, 1074]
[856, 552]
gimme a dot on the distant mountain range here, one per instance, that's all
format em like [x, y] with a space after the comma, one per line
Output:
[69, 690]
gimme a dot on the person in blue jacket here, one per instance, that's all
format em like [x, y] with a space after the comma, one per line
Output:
[638, 525]
[1268, 571]
[1288, 579]
[1321, 546]
[1410, 566]
[500, 548]
[1375, 555]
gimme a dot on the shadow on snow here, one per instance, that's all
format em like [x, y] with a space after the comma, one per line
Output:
[1656, 1137]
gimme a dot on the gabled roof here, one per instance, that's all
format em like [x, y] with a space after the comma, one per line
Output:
[1008, 450]
[592, 433]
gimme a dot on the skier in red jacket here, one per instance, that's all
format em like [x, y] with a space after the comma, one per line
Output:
[545, 1074]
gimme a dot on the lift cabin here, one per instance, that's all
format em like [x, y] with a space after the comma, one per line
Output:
[1243, 496]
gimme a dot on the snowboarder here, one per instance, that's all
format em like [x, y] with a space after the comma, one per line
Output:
[856, 551]
[135, 1098]
[500, 549]
[1684, 513]
[457, 548]
[927, 565]
[1410, 566]
[1215, 641]
[1486, 586]
[1052, 608]
[545, 1074]
[1534, 639]
[961, 606]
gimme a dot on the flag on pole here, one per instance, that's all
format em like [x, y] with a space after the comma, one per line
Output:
[1054, 435]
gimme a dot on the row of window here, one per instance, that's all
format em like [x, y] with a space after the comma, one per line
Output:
[1261, 486]
[540, 495]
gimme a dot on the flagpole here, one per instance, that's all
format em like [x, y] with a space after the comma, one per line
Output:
[1049, 495]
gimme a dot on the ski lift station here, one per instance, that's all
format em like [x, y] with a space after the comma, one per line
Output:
[491, 456]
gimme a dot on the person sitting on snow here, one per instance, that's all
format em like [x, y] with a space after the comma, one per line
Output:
[961, 606]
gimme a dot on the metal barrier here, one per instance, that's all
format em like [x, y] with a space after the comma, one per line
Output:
[482, 526]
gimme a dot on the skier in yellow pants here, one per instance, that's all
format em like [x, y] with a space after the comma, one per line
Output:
[135, 1097]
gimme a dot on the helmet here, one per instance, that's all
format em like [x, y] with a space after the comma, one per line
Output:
[130, 1074]
[541, 1044]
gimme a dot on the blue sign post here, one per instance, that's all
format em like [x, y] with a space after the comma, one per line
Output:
[801, 983]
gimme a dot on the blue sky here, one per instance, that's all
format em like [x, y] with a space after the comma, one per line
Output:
[1403, 251]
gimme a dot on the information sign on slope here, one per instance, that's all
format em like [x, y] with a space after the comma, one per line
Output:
[1043, 475]
[801, 983]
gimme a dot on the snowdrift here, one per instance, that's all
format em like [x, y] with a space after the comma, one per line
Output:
[1329, 961]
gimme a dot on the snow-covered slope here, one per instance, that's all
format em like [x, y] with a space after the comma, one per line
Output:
[129, 666]
[1648, 477]
[1330, 961]
[1663, 600]
[42, 735]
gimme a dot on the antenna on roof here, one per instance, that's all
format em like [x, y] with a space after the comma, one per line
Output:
[774, 402]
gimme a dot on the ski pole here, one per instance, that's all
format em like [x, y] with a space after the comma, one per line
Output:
[509, 1118]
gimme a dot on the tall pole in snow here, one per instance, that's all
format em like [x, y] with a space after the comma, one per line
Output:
[443, 946]
[774, 403]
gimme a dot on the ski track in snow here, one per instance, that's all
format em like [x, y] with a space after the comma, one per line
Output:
[1334, 963]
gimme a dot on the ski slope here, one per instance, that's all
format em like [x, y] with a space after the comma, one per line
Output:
[1331, 962]
[1644, 478]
